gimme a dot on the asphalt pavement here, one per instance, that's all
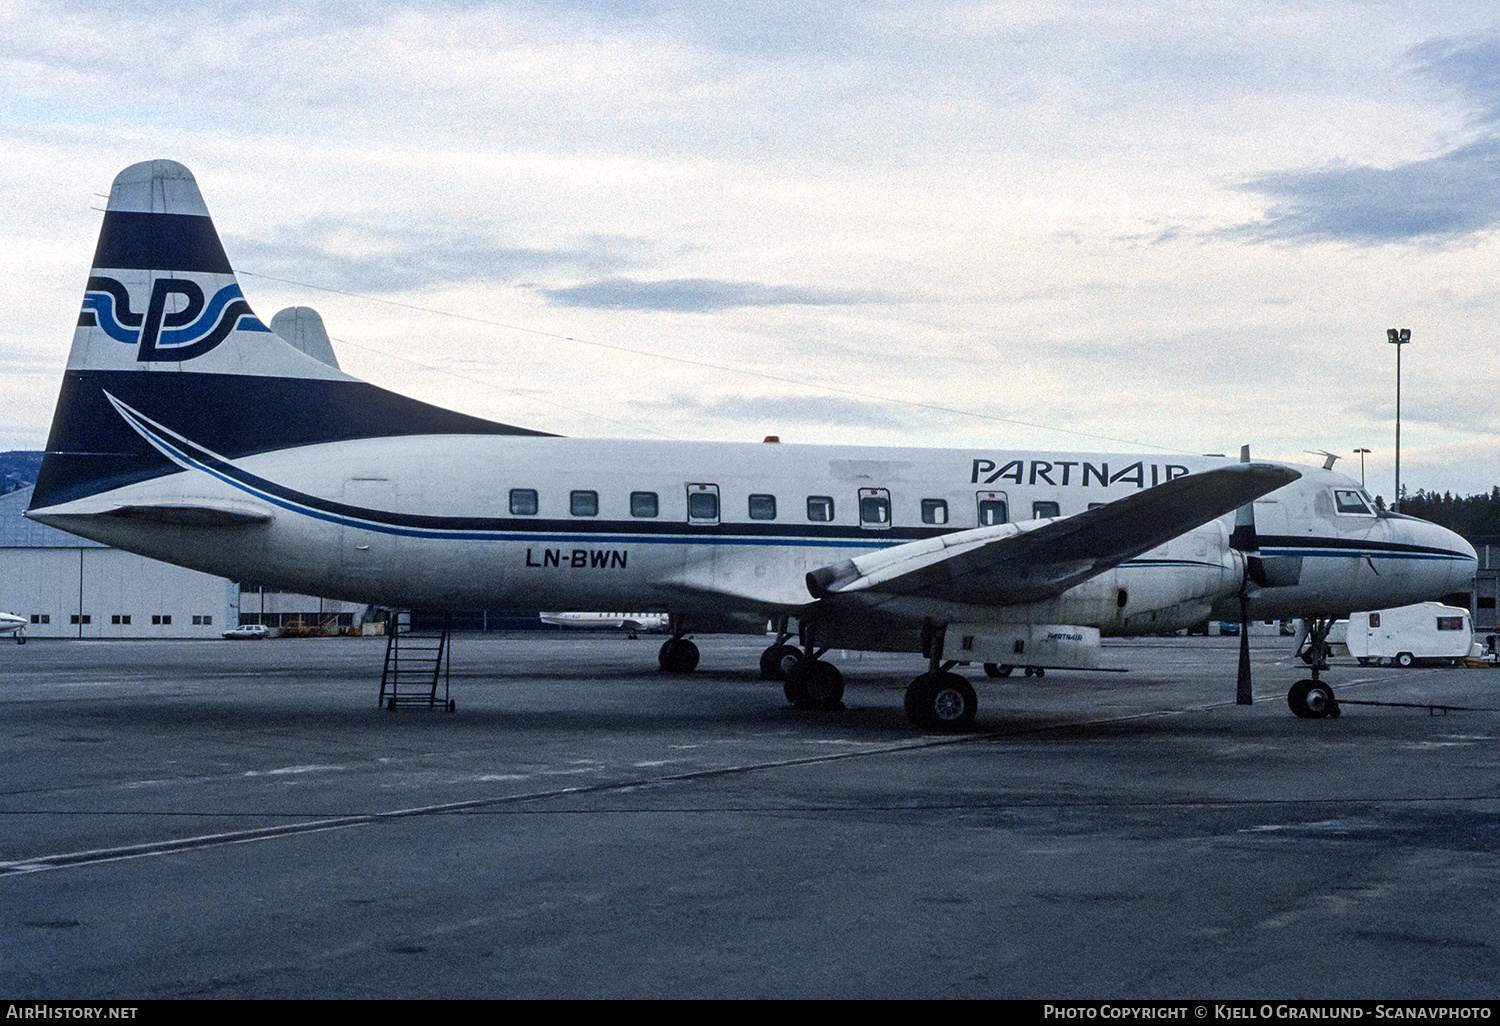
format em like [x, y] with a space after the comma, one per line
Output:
[239, 819]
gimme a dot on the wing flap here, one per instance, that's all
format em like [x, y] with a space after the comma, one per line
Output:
[1009, 564]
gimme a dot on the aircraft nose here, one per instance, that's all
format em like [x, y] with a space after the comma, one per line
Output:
[1453, 561]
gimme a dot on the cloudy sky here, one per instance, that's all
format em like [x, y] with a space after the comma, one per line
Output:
[1157, 226]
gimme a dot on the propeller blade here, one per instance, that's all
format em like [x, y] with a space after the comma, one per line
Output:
[1244, 539]
[1242, 694]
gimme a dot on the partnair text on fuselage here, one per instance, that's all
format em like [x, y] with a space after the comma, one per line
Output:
[1064, 472]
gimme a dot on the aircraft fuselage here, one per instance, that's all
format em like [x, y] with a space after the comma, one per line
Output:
[726, 532]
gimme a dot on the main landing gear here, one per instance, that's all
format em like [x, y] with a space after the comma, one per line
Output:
[1313, 699]
[940, 700]
[678, 654]
[806, 679]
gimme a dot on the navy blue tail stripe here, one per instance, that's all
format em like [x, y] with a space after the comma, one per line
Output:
[160, 242]
[92, 450]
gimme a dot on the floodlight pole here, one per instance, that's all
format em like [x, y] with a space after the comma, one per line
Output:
[1362, 453]
[1398, 338]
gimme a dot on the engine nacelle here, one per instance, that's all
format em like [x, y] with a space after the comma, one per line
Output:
[1166, 589]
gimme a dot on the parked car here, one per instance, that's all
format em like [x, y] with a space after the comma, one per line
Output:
[254, 631]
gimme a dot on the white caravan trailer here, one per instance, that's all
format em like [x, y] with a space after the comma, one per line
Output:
[1427, 630]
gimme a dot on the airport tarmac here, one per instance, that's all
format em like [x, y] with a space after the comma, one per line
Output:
[238, 819]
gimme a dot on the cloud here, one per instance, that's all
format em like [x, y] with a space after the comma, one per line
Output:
[696, 295]
[771, 413]
[1474, 68]
[368, 258]
[1447, 197]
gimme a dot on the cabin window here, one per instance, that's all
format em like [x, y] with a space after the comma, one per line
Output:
[583, 504]
[644, 504]
[703, 503]
[762, 507]
[1374, 619]
[1450, 623]
[820, 509]
[874, 507]
[993, 511]
[1349, 501]
[1041, 510]
[934, 511]
[523, 502]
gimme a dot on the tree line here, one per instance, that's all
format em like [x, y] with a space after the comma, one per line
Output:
[1472, 516]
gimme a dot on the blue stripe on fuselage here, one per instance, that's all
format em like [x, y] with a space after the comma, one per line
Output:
[186, 453]
[622, 532]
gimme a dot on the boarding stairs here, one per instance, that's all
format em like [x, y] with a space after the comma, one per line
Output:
[416, 661]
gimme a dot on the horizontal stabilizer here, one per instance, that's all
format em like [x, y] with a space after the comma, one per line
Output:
[173, 514]
[192, 516]
[1027, 562]
[302, 326]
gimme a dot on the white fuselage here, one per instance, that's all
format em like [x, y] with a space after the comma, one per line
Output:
[466, 521]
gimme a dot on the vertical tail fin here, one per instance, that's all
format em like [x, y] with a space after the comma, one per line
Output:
[166, 331]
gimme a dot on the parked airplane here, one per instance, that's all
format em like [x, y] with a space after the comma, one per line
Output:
[188, 431]
[10, 623]
[632, 622]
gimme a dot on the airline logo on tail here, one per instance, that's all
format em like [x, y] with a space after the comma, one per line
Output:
[180, 323]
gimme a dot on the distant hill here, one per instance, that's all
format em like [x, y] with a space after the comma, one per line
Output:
[18, 469]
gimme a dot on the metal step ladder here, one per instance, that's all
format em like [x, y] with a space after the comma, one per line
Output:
[415, 662]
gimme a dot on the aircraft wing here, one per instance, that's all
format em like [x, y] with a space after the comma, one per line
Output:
[1014, 563]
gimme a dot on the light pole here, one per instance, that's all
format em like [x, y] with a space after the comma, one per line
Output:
[1362, 453]
[1398, 338]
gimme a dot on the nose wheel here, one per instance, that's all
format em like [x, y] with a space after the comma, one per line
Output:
[1312, 700]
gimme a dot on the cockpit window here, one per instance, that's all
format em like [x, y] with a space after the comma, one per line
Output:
[1347, 500]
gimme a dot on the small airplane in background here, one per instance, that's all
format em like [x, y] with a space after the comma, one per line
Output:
[635, 623]
[189, 431]
[10, 623]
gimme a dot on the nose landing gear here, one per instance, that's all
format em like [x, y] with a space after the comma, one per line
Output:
[1313, 699]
